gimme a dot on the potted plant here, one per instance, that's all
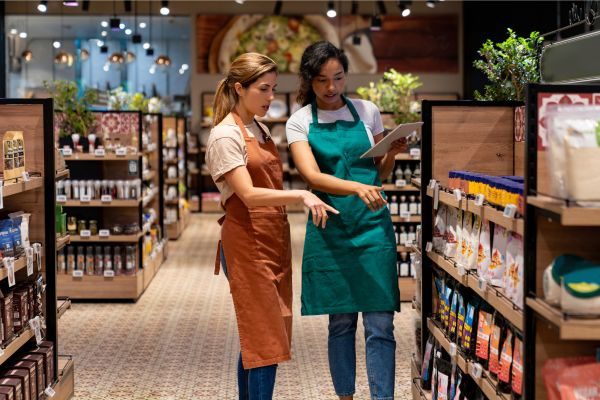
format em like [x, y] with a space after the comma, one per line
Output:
[509, 66]
[394, 94]
[77, 118]
[118, 99]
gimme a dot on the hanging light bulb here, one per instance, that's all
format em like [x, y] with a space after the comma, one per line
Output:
[84, 55]
[43, 6]
[331, 13]
[64, 59]
[164, 9]
[56, 44]
[104, 24]
[146, 46]
[103, 33]
[143, 25]
[128, 31]
[163, 61]
[23, 35]
[13, 31]
[27, 55]
[129, 57]
[116, 58]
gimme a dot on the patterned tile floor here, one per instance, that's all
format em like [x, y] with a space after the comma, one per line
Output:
[179, 341]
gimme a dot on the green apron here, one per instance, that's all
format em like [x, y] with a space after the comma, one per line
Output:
[350, 266]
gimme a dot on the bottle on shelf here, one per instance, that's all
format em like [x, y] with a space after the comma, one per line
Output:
[417, 171]
[70, 259]
[404, 266]
[99, 267]
[394, 205]
[418, 205]
[412, 235]
[412, 205]
[396, 235]
[403, 205]
[80, 259]
[407, 173]
[403, 235]
[89, 261]
[398, 175]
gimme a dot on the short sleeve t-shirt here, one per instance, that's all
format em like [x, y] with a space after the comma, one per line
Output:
[298, 124]
[226, 150]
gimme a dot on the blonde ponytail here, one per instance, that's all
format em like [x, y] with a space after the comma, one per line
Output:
[245, 69]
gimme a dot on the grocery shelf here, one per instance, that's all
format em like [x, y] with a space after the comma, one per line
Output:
[412, 219]
[62, 174]
[393, 188]
[407, 249]
[100, 203]
[11, 189]
[406, 157]
[570, 328]
[100, 287]
[20, 263]
[112, 238]
[64, 386]
[569, 216]
[149, 197]
[449, 267]
[485, 212]
[106, 157]
[62, 305]
[15, 345]
[417, 392]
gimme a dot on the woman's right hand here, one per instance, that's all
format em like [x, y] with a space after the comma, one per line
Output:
[371, 195]
[317, 207]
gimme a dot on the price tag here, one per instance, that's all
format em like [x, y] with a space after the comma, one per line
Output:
[85, 233]
[415, 153]
[67, 151]
[49, 391]
[452, 349]
[106, 198]
[510, 211]
[428, 247]
[37, 249]
[479, 200]
[458, 194]
[432, 183]
[436, 196]
[461, 269]
[36, 327]
[121, 152]
[109, 274]
[25, 175]
[405, 215]
[476, 370]
[78, 273]
[99, 152]
[9, 264]
[29, 255]
[482, 284]
[104, 233]
[85, 198]
[61, 198]
[400, 183]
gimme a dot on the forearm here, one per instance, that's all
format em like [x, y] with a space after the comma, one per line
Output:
[385, 166]
[331, 184]
[262, 197]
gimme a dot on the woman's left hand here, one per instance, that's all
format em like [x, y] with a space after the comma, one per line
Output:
[398, 146]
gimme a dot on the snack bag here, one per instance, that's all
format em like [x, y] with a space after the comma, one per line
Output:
[513, 275]
[498, 262]
[451, 237]
[484, 253]
[459, 235]
[474, 243]
[439, 230]
[466, 238]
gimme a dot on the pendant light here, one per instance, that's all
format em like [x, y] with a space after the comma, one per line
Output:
[129, 57]
[26, 55]
[62, 59]
[148, 45]
[163, 61]
[116, 58]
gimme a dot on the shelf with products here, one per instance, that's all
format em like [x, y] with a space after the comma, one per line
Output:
[100, 156]
[388, 187]
[194, 157]
[413, 219]
[175, 138]
[62, 174]
[561, 247]
[28, 297]
[106, 233]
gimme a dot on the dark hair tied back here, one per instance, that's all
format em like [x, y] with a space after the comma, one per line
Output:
[313, 59]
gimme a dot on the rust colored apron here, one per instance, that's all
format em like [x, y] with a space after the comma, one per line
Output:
[256, 245]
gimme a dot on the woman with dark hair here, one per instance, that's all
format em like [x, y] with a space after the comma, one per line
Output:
[255, 250]
[350, 266]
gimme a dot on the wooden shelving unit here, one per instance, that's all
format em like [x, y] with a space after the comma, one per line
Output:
[568, 215]
[136, 129]
[193, 157]
[413, 219]
[20, 187]
[388, 187]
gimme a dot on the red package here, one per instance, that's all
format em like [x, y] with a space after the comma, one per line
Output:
[555, 366]
[506, 358]
[484, 331]
[580, 382]
[517, 369]
[494, 364]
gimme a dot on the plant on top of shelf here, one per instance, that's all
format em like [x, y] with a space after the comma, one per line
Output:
[118, 99]
[509, 66]
[394, 93]
[77, 115]
[138, 102]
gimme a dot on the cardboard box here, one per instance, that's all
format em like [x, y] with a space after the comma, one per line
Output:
[15, 385]
[6, 313]
[20, 310]
[23, 376]
[38, 359]
[48, 357]
[29, 367]
[7, 393]
[48, 348]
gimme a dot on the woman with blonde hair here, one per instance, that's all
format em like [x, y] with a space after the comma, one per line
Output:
[254, 250]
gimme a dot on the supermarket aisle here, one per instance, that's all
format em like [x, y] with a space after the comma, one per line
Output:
[179, 341]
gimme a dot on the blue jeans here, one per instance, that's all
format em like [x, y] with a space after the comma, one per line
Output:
[380, 353]
[256, 383]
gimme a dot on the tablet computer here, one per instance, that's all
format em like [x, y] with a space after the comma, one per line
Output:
[402, 130]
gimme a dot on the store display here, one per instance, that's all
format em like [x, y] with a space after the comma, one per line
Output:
[13, 150]
[95, 260]
[96, 189]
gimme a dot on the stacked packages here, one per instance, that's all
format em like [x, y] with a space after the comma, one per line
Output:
[498, 190]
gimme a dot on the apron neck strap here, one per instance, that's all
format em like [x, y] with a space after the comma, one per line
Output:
[242, 127]
[346, 102]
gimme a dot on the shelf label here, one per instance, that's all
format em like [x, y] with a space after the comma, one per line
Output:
[36, 327]
[509, 211]
[482, 284]
[400, 183]
[85, 233]
[121, 152]
[1, 194]
[415, 153]
[476, 370]
[109, 274]
[429, 247]
[61, 198]
[67, 152]
[77, 273]
[104, 233]
[25, 176]
[29, 256]
[106, 198]
[405, 215]
[85, 198]
[479, 200]
[37, 249]
[436, 196]
[461, 269]
[9, 264]
[458, 194]
[132, 167]
[49, 391]
[99, 152]
[452, 350]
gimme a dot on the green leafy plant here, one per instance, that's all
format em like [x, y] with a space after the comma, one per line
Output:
[78, 117]
[138, 103]
[118, 99]
[509, 66]
[394, 93]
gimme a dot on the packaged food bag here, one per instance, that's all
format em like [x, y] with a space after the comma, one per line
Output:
[553, 368]
[444, 372]
[484, 333]
[513, 275]
[580, 382]
[517, 369]
[439, 230]
[506, 361]
[484, 252]
[459, 225]
[466, 238]
[496, 345]
[451, 236]
[474, 243]
[427, 365]
[498, 263]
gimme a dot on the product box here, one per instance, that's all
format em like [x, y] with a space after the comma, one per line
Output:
[29, 367]
[23, 376]
[20, 310]
[7, 393]
[48, 348]
[31, 304]
[38, 359]
[6, 313]
[15, 385]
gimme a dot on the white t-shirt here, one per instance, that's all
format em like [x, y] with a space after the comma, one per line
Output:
[298, 124]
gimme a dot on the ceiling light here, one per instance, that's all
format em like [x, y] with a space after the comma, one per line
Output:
[137, 38]
[104, 24]
[116, 58]
[404, 6]
[71, 3]
[121, 26]
[430, 3]
[164, 9]
[56, 44]
[84, 55]
[405, 11]
[146, 46]
[100, 43]
[114, 23]
[142, 25]
[185, 67]
[331, 13]
[23, 35]
[152, 70]
[128, 31]
[106, 67]
[163, 61]
[14, 31]
[103, 33]
[43, 6]
[27, 55]
[375, 23]
[181, 72]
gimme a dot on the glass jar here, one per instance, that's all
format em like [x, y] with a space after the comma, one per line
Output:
[80, 259]
[89, 261]
[99, 264]
[61, 263]
[72, 225]
[93, 227]
[108, 265]
[118, 260]
[70, 259]
[81, 225]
